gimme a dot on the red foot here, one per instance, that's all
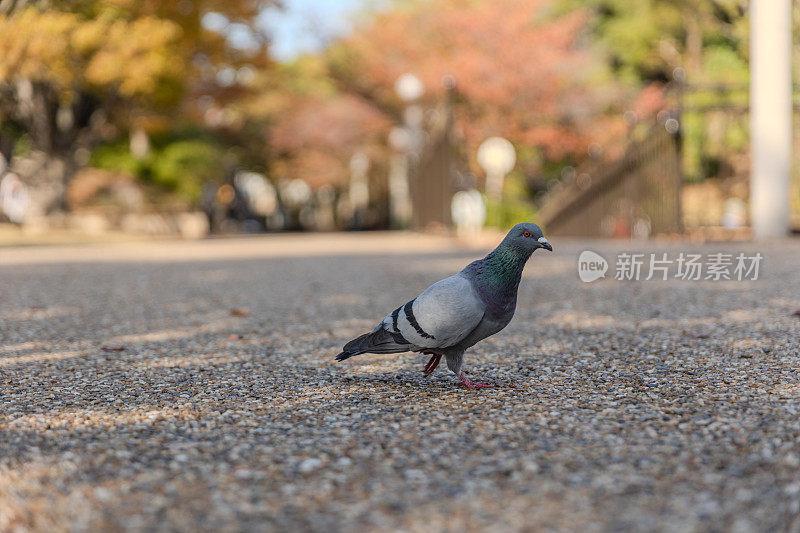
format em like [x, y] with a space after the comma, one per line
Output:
[432, 364]
[466, 382]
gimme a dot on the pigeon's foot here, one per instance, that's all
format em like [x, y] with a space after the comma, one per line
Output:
[432, 364]
[466, 382]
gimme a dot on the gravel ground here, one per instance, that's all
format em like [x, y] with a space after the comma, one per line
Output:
[133, 397]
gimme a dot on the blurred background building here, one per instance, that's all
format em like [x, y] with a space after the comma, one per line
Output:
[593, 117]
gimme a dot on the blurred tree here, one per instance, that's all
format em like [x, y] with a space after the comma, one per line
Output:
[313, 128]
[313, 138]
[76, 71]
[523, 69]
[645, 40]
[510, 62]
[179, 161]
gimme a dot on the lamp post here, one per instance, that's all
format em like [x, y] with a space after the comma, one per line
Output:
[359, 187]
[409, 88]
[399, 196]
[406, 140]
[497, 157]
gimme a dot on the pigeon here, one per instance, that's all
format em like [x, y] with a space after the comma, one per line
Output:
[457, 312]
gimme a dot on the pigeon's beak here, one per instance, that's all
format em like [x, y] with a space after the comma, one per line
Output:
[544, 243]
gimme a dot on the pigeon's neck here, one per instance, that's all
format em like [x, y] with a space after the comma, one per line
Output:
[502, 268]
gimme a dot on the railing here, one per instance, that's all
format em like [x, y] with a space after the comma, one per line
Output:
[637, 195]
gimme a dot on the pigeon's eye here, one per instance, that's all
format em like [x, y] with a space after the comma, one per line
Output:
[526, 233]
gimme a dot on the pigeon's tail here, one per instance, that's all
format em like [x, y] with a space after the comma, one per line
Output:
[376, 341]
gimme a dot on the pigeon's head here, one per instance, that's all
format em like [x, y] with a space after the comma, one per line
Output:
[527, 237]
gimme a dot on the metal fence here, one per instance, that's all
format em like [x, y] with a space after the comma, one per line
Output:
[694, 180]
[638, 195]
[431, 179]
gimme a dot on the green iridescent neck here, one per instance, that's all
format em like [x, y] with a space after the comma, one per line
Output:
[503, 267]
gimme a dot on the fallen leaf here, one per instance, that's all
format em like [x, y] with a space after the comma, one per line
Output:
[113, 347]
[240, 311]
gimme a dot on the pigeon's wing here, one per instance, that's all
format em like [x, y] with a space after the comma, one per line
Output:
[440, 317]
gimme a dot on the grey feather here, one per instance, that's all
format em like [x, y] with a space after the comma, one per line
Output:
[376, 341]
[445, 313]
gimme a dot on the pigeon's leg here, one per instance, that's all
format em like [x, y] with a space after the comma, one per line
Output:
[454, 363]
[468, 383]
[433, 363]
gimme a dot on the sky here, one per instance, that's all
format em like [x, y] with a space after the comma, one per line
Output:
[303, 26]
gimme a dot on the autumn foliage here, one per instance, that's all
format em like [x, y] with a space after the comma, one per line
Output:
[317, 136]
[77, 73]
[522, 71]
[68, 52]
[80, 72]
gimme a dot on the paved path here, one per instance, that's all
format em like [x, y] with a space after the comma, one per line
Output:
[661, 405]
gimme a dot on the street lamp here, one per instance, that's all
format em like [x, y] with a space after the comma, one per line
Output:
[399, 196]
[359, 188]
[409, 87]
[406, 141]
[497, 157]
